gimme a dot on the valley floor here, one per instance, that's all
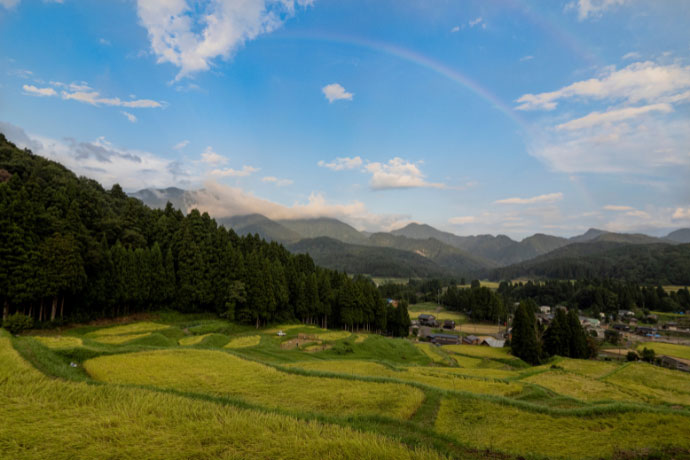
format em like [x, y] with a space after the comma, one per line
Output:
[177, 386]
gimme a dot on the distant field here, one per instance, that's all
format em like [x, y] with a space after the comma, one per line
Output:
[672, 288]
[488, 284]
[439, 313]
[479, 329]
[670, 349]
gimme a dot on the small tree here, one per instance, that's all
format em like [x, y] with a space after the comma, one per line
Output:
[648, 355]
[632, 356]
[17, 323]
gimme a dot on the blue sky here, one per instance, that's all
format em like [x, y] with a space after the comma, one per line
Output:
[511, 116]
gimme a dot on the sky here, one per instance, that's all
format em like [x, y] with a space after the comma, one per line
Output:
[503, 117]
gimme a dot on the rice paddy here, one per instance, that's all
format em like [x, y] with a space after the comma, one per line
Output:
[59, 342]
[223, 374]
[244, 342]
[53, 419]
[192, 392]
[669, 349]
[479, 329]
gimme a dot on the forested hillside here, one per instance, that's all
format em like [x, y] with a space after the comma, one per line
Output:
[72, 250]
[652, 263]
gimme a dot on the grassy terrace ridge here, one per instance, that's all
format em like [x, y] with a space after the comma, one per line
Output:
[459, 401]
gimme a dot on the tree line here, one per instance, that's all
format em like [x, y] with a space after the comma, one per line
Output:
[72, 250]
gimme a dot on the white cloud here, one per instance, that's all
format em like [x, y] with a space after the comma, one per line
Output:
[94, 98]
[276, 181]
[229, 172]
[335, 92]
[475, 22]
[130, 117]
[593, 8]
[461, 220]
[547, 198]
[224, 201]
[340, 164]
[613, 115]
[640, 81]
[209, 156]
[397, 173]
[613, 207]
[632, 55]
[9, 3]
[104, 42]
[191, 35]
[101, 160]
[41, 92]
[526, 58]
[681, 214]
[180, 145]
[455, 29]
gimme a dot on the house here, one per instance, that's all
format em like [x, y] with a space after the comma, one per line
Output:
[493, 343]
[624, 313]
[471, 340]
[621, 327]
[427, 320]
[671, 326]
[545, 309]
[449, 324]
[444, 339]
[589, 321]
[644, 330]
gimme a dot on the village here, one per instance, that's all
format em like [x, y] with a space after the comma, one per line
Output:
[620, 337]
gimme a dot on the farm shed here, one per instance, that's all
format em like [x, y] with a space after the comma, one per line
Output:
[444, 339]
[545, 309]
[471, 340]
[493, 343]
[675, 363]
[449, 324]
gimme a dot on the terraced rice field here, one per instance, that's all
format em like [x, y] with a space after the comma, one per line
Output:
[435, 377]
[55, 419]
[479, 329]
[669, 349]
[59, 342]
[458, 400]
[485, 424]
[223, 374]
[244, 342]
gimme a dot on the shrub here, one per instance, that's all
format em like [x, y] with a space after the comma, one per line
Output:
[17, 323]
[648, 355]
[632, 356]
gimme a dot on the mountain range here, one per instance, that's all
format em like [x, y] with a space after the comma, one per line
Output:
[416, 250]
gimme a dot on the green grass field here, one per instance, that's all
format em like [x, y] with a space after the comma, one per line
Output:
[197, 387]
[439, 313]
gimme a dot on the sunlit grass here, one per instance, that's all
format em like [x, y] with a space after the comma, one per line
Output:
[219, 373]
[45, 418]
[244, 342]
[480, 329]
[431, 351]
[59, 342]
[485, 424]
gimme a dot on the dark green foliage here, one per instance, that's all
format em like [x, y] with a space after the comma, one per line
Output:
[17, 323]
[648, 355]
[524, 343]
[632, 356]
[480, 303]
[640, 263]
[565, 336]
[612, 336]
[74, 251]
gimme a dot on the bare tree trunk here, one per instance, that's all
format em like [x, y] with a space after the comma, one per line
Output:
[257, 322]
[53, 311]
[5, 310]
[62, 306]
[40, 312]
